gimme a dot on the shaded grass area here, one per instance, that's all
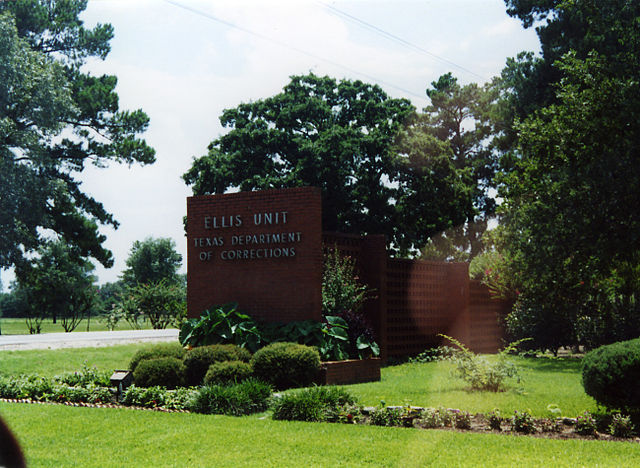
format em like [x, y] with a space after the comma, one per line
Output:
[54, 436]
[544, 381]
[51, 362]
[18, 326]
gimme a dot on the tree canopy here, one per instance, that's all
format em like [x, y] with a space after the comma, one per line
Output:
[54, 120]
[57, 284]
[571, 182]
[354, 142]
[151, 261]
[319, 132]
[457, 121]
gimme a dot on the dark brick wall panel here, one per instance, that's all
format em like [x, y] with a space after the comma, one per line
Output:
[350, 372]
[271, 289]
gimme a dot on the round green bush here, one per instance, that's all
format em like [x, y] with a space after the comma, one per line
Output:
[174, 350]
[227, 372]
[286, 365]
[198, 360]
[165, 371]
[610, 374]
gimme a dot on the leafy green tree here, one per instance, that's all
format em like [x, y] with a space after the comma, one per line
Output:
[607, 27]
[163, 304]
[319, 132]
[108, 296]
[570, 123]
[57, 284]
[151, 261]
[571, 199]
[54, 120]
[451, 140]
[433, 195]
[13, 304]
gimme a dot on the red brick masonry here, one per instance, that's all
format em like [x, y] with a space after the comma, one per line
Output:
[262, 250]
[350, 371]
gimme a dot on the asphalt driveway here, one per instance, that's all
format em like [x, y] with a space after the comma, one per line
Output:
[85, 339]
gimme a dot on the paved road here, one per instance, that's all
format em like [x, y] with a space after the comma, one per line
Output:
[85, 339]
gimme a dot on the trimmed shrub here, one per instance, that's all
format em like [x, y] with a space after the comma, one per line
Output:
[161, 350]
[286, 365]
[166, 371]
[230, 352]
[250, 396]
[198, 360]
[610, 374]
[311, 404]
[227, 372]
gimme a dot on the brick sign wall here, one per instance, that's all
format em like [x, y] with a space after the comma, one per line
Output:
[260, 249]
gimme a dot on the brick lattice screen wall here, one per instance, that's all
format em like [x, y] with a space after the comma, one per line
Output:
[413, 300]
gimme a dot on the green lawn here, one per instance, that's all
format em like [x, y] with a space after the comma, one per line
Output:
[55, 436]
[18, 326]
[65, 436]
[544, 381]
[53, 362]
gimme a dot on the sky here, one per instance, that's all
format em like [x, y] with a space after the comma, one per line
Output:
[184, 61]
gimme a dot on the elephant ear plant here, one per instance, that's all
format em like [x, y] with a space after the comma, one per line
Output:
[339, 344]
[219, 325]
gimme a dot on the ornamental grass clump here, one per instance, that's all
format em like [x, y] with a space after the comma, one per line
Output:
[315, 404]
[250, 396]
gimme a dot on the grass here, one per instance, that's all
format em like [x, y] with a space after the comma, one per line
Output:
[544, 381]
[18, 326]
[90, 437]
[53, 362]
[54, 436]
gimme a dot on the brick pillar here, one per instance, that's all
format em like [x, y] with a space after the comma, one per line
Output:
[458, 302]
[373, 262]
